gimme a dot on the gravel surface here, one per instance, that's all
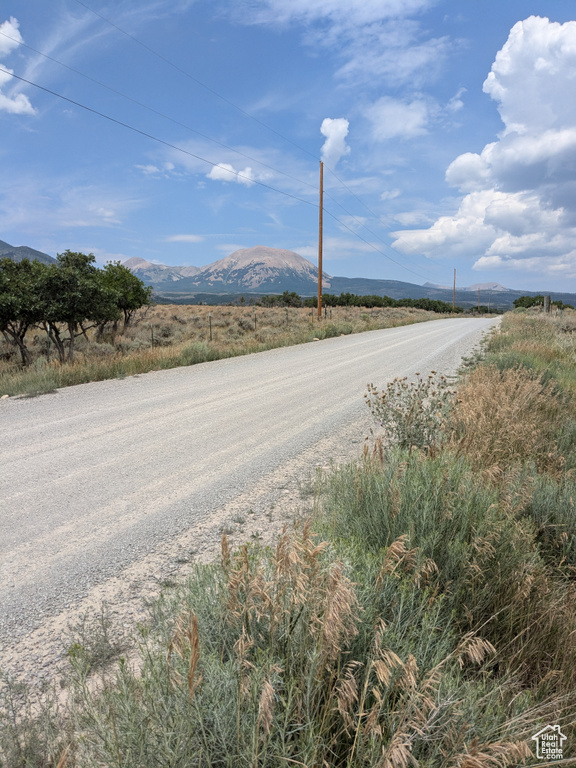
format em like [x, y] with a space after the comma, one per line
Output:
[108, 488]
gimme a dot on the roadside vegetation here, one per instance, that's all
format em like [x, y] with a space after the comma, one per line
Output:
[166, 336]
[425, 616]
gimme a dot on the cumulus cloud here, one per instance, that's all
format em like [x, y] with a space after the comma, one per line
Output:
[519, 191]
[227, 172]
[335, 147]
[395, 118]
[10, 39]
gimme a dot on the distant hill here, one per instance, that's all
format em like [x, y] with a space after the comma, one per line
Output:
[476, 287]
[252, 272]
[21, 252]
[154, 274]
[255, 270]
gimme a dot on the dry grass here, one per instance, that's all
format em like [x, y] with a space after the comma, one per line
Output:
[278, 658]
[166, 336]
[504, 417]
[432, 626]
[543, 344]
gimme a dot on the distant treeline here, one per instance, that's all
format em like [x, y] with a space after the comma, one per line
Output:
[535, 301]
[292, 299]
[65, 300]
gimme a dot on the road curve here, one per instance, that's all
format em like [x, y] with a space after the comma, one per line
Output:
[97, 476]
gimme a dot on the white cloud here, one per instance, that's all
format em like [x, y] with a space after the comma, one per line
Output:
[183, 239]
[227, 172]
[393, 52]
[520, 191]
[394, 118]
[354, 223]
[10, 38]
[374, 38]
[533, 75]
[166, 169]
[335, 147]
[455, 104]
[13, 102]
[341, 11]
[148, 170]
[36, 204]
[334, 248]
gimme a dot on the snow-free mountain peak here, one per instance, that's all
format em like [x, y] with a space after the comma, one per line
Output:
[261, 268]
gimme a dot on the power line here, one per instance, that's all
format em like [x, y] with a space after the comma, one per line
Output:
[346, 187]
[194, 79]
[362, 224]
[160, 114]
[155, 138]
[202, 159]
[374, 247]
[208, 138]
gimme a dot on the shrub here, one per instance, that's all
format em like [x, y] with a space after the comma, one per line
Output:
[412, 413]
[265, 660]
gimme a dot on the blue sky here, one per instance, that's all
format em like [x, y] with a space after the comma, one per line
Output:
[447, 127]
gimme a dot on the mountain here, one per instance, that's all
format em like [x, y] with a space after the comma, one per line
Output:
[486, 287]
[253, 272]
[21, 252]
[259, 269]
[154, 274]
[475, 287]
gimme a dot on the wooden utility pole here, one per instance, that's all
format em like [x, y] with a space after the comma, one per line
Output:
[454, 291]
[478, 299]
[320, 238]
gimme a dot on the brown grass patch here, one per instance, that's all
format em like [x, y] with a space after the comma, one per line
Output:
[502, 418]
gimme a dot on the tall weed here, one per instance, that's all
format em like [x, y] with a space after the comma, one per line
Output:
[411, 413]
[504, 417]
[277, 658]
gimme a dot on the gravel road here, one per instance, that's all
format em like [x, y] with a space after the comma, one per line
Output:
[96, 478]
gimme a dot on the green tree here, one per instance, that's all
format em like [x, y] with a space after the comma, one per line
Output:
[290, 299]
[73, 292]
[528, 301]
[20, 307]
[131, 292]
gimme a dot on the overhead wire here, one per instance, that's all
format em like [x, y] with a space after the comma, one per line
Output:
[347, 188]
[373, 246]
[362, 224]
[155, 138]
[242, 111]
[234, 173]
[184, 72]
[157, 112]
[202, 159]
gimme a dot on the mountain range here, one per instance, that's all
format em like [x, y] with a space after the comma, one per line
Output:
[23, 252]
[254, 272]
[249, 270]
